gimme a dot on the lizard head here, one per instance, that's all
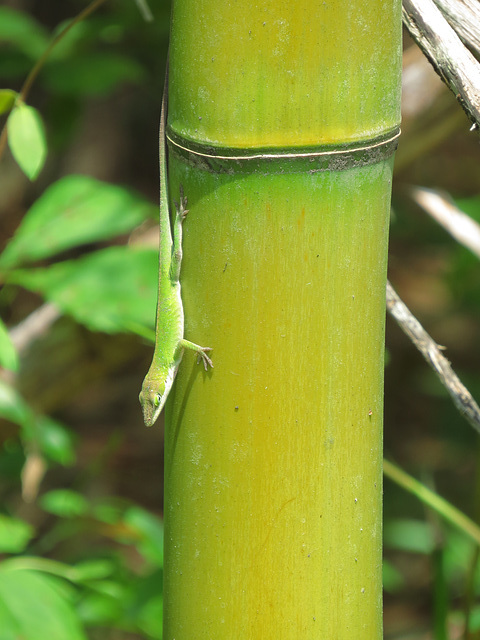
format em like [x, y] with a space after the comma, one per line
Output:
[154, 393]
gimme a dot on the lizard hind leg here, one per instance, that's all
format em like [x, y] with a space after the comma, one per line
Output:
[200, 351]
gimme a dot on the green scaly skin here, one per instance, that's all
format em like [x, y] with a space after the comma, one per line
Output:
[169, 341]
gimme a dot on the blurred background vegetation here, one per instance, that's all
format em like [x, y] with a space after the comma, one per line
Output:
[81, 479]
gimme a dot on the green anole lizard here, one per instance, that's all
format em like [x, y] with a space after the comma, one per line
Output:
[169, 341]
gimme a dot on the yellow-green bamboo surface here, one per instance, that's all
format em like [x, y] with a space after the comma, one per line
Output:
[284, 73]
[273, 459]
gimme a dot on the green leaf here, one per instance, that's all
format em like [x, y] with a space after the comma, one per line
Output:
[8, 624]
[26, 139]
[33, 607]
[74, 211]
[150, 617]
[111, 588]
[53, 438]
[14, 534]
[22, 31]
[112, 290]
[92, 74]
[414, 536]
[55, 441]
[64, 503]
[146, 603]
[392, 578]
[7, 100]
[100, 609]
[8, 353]
[474, 619]
[108, 513]
[148, 531]
[12, 406]
[97, 569]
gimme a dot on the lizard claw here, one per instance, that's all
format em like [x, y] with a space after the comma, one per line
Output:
[206, 360]
[181, 208]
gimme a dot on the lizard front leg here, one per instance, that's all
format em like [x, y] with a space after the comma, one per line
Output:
[200, 351]
[177, 254]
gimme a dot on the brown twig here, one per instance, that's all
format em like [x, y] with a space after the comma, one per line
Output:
[459, 225]
[460, 395]
[34, 326]
[457, 67]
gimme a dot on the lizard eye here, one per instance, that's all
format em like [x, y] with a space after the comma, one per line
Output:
[156, 399]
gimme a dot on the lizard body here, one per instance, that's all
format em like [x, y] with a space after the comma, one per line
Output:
[169, 341]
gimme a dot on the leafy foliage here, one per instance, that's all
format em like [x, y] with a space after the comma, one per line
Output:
[23, 613]
[14, 534]
[23, 32]
[74, 211]
[109, 290]
[76, 229]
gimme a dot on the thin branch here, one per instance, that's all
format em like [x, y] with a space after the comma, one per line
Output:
[145, 10]
[461, 226]
[33, 472]
[433, 500]
[460, 395]
[34, 326]
[32, 76]
[457, 67]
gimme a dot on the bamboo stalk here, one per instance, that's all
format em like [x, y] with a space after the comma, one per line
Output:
[273, 459]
